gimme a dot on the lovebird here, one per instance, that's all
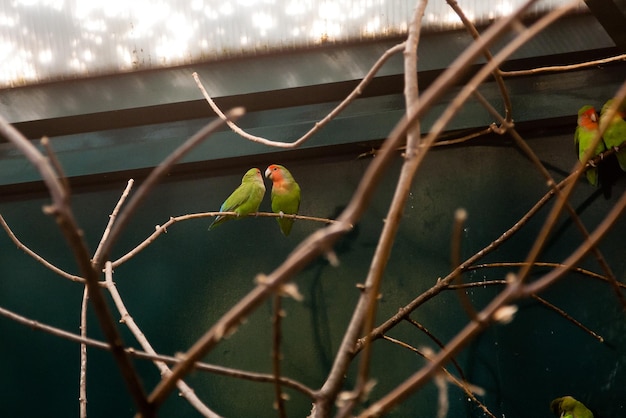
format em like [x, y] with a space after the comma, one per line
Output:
[285, 195]
[568, 407]
[245, 199]
[615, 134]
[583, 137]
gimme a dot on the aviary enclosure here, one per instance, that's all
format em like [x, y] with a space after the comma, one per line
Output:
[438, 272]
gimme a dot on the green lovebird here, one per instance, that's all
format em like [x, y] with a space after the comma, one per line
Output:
[285, 195]
[583, 137]
[615, 134]
[568, 407]
[245, 199]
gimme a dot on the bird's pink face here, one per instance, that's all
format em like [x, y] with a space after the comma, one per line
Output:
[273, 173]
[589, 118]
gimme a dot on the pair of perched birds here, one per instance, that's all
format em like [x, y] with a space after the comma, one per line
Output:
[614, 135]
[247, 197]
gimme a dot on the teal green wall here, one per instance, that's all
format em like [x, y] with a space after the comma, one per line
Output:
[182, 283]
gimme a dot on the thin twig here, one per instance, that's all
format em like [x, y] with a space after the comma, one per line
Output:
[445, 142]
[37, 257]
[82, 384]
[161, 229]
[278, 313]
[112, 217]
[567, 316]
[210, 368]
[465, 138]
[538, 298]
[436, 341]
[506, 98]
[563, 68]
[128, 320]
[573, 269]
[356, 92]
[469, 389]
[155, 176]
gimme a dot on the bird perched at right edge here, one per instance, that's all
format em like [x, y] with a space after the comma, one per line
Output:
[568, 407]
[285, 195]
[583, 137]
[245, 199]
[615, 134]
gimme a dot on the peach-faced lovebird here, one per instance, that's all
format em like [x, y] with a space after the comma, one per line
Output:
[568, 407]
[285, 195]
[245, 199]
[583, 137]
[615, 134]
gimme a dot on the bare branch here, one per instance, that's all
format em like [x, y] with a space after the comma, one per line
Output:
[210, 368]
[436, 341]
[358, 90]
[563, 68]
[128, 320]
[568, 317]
[276, 355]
[82, 389]
[465, 138]
[574, 258]
[112, 217]
[506, 98]
[37, 257]
[579, 270]
[470, 390]
[534, 296]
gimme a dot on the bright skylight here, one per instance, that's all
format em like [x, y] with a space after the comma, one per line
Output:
[43, 40]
